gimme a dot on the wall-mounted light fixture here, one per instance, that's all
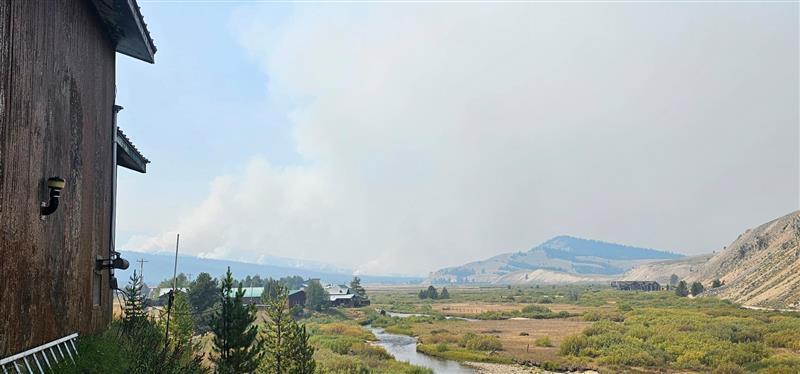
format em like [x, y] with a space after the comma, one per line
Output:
[55, 185]
[115, 262]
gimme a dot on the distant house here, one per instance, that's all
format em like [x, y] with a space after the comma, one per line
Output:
[636, 285]
[252, 295]
[296, 297]
[342, 296]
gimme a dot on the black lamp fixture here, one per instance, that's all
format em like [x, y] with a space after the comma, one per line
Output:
[114, 262]
[55, 185]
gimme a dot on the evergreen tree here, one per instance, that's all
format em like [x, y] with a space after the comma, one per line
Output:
[316, 296]
[293, 282]
[181, 324]
[257, 281]
[716, 284]
[235, 343]
[355, 285]
[277, 341]
[681, 289]
[272, 289]
[181, 279]
[302, 352]
[697, 288]
[134, 308]
[423, 294]
[432, 293]
[286, 342]
[202, 294]
[445, 294]
[673, 280]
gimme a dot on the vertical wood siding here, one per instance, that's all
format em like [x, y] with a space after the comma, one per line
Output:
[56, 99]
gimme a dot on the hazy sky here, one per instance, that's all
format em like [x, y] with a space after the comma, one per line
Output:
[400, 138]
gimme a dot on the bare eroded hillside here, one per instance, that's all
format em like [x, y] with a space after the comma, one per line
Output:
[761, 267]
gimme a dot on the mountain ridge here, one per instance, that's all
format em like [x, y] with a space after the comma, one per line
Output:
[585, 260]
[159, 266]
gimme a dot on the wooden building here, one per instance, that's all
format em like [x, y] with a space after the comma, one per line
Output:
[58, 119]
[636, 285]
[296, 297]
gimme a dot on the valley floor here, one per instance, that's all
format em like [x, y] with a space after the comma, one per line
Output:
[579, 328]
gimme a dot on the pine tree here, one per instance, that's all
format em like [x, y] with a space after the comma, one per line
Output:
[134, 309]
[302, 353]
[355, 285]
[445, 294]
[423, 294]
[286, 343]
[316, 296]
[272, 289]
[681, 289]
[181, 324]
[716, 283]
[673, 280]
[277, 342]
[432, 293]
[697, 288]
[235, 344]
[202, 294]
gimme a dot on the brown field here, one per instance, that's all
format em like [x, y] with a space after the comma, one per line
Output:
[467, 309]
[473, 308]
[508, 331]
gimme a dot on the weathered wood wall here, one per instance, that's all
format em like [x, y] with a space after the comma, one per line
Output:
[56, 99]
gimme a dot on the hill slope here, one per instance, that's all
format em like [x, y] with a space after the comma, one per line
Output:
[761, 267]
[563, 259]
[660, 271]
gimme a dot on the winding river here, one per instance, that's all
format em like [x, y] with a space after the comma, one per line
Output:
[404, 348]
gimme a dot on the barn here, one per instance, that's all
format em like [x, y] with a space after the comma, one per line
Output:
[59, 151]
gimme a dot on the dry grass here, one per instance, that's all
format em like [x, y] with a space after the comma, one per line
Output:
[508, 331]
[470, 309]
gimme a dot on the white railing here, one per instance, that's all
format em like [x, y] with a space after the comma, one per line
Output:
[36, 359]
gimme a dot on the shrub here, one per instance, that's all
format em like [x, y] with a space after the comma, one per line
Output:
[573, 345]
[543, 341]
[139, 349]
[346, 329]
[535, 308]
[480, 342]
[728, 368]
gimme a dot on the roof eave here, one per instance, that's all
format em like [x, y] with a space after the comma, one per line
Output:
[125, 24]
[128, 156]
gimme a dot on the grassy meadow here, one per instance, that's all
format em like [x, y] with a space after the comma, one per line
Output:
[592, 327]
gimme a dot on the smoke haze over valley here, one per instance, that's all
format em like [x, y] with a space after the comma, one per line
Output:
[388, 149]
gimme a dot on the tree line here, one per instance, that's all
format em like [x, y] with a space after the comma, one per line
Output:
[432, 293]
[239, 345]
[683, 289]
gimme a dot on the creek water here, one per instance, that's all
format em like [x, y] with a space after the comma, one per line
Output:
[404, 348]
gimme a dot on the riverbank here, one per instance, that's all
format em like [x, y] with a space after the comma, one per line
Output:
[489, 368]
